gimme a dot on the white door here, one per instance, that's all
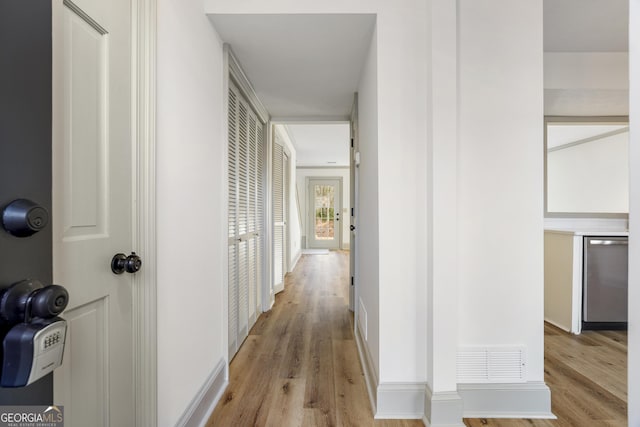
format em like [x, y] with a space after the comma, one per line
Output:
[324, 213]
[353, 186]
[92, 207]
[280, 207]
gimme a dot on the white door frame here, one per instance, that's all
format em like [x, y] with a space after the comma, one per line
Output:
[310, 221]
[143, 52]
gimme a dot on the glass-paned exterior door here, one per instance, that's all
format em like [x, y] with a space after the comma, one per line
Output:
[324, 213]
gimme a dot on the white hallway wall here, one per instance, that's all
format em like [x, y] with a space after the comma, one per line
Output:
[302, 175]
[600, 166]
[191, 151]
[501, 177]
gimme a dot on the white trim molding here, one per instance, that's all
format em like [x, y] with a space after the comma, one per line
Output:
[241, 79]
[400, 401]
[390, 400]
[143, 57]
[521, 400]
[370, 374]
[296, 258]
[199, 410]
[442, 409]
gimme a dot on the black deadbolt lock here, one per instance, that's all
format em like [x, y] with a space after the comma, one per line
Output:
[23, 217]
[121, 263]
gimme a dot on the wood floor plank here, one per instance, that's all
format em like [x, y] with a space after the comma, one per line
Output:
[315, 417]
[352, 401]
[295, 358]
[320, 387]
[287, 404]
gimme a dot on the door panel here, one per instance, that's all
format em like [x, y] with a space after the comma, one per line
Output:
[84, 374]
[92, 188]
[85, 142]
[324, 213]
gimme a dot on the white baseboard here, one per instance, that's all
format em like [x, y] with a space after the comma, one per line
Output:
[521, 400]
[198, 412]
[400, 401]
[442, 409]
[370, 375]
[296, 258]
[389, 401]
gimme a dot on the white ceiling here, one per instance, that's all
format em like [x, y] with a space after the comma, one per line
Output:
[320, 144]
[301, 66]
[586, 25]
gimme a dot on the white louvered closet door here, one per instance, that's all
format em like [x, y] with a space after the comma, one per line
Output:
[279, 215]
[246, 216]
[285, 206]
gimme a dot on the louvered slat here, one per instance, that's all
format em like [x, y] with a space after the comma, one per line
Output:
[253, 182]
[251, 289]
[243, 168]
[232, 172]
[243, 295]
[233, 301]
[261, 209]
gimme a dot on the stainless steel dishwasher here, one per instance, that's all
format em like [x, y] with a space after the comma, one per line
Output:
[605, 282]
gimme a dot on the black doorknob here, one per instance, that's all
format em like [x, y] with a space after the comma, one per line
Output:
[121, 263]
[30, 298]
[352, 227]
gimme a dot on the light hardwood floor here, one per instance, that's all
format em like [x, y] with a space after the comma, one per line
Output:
[299, 366]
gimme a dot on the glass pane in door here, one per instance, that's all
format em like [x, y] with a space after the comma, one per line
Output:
[324, 207]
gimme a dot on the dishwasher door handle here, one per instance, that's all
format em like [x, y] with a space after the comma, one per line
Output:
[608, 242]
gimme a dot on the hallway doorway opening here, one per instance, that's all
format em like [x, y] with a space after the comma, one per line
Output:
[304, 72]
